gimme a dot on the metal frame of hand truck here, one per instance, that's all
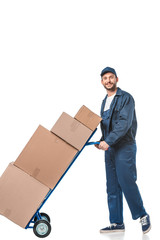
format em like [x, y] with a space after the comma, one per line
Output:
[37, 216]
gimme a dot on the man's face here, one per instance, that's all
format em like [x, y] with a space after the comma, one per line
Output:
[109, 81]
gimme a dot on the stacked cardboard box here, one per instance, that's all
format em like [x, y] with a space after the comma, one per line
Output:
[88, 118]
[20, 195]
[71, 131]
[45, 157]
[42, 162]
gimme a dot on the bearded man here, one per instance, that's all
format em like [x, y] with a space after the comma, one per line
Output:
[119, 126]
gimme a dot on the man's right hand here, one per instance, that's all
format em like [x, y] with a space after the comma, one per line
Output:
[97, 146]
[103, 145]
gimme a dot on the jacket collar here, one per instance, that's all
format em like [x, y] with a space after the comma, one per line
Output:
[119, 91]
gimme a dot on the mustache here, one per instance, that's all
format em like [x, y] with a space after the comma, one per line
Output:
[111, 88]
[109, 83]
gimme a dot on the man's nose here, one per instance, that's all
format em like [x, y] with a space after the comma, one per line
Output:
[108, 81]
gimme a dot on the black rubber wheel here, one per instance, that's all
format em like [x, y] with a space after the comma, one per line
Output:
[42, 228]
[44, 217]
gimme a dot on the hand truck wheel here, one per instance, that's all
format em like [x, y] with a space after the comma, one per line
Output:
[44, 216]
[42, 228]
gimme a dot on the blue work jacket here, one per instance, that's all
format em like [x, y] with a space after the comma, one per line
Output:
[122, 123]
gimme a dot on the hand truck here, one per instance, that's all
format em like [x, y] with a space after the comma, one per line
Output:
[40, 222]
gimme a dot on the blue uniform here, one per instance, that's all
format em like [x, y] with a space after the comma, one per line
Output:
[119, 127]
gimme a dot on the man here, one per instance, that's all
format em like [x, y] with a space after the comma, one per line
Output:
[119, 127]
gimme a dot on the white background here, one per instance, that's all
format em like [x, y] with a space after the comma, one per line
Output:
[51, 56]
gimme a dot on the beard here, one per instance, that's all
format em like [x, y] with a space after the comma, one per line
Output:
[112, 87]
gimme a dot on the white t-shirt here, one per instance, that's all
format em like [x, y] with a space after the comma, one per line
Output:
[108, 102]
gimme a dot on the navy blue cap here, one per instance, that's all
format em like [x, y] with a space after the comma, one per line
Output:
[108, 69]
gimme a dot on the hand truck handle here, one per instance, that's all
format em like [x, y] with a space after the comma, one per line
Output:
[92, 143]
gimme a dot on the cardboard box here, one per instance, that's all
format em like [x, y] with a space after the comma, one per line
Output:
[88, 118]
[46, 157]
[20, 195]
[71, 130]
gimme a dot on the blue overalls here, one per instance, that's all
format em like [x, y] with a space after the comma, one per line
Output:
[120, 164]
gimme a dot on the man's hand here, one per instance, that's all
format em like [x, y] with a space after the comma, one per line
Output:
[97, 146]
[103, 145]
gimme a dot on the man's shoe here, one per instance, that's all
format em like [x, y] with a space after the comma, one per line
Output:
[146, 224]
[114, 227]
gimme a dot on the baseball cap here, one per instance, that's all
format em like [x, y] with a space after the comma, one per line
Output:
[108, 69]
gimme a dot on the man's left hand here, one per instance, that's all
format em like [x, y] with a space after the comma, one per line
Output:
[103, 145]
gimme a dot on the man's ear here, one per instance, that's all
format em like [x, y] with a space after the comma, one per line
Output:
[117, 79]
[102, 81]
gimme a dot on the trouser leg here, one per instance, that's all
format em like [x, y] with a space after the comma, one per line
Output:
[114, 192]
[125, 161]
